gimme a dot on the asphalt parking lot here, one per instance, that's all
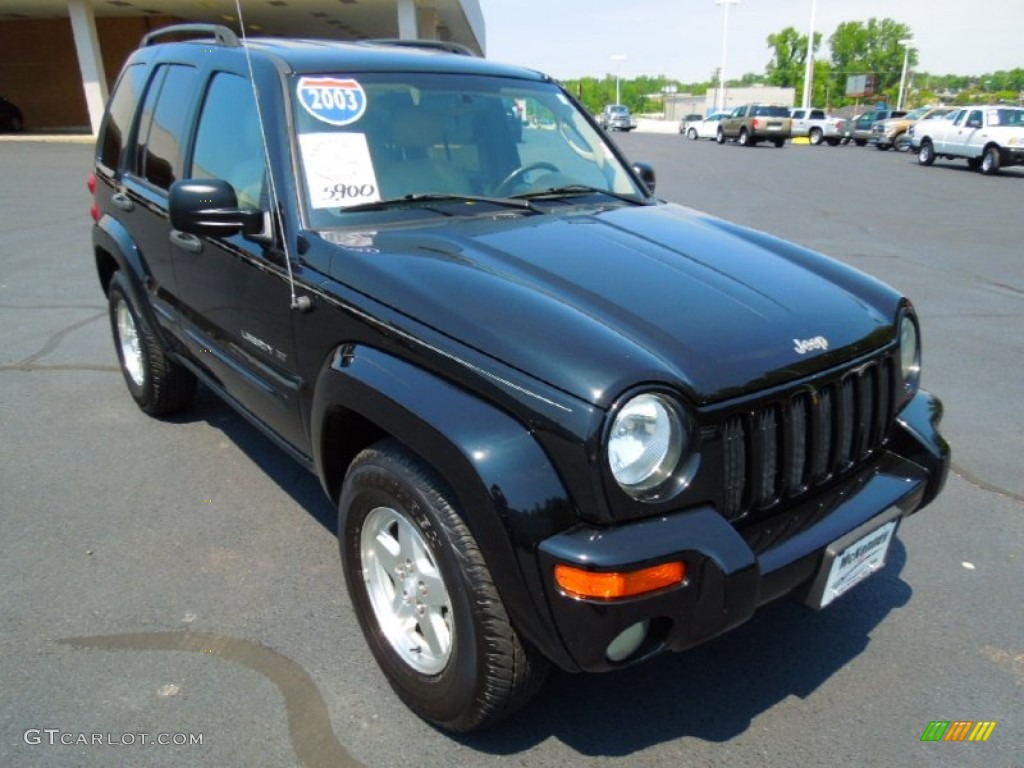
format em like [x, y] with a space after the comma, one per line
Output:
[179, 578]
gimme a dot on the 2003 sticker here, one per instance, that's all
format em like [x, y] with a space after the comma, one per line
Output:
[333, 100]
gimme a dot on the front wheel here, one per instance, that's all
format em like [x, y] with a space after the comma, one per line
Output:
[692, 134]
[926, 154]
[990, 161]
[157, 384]
[424, 597]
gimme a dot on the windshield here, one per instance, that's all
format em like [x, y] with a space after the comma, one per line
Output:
[379, 137]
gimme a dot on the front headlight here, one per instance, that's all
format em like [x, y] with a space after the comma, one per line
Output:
[647, 440]
[910, 354]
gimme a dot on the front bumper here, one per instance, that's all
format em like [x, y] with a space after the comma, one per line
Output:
[731, 571]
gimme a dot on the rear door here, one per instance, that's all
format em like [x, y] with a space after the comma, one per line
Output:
[149, 171]
[235, 293]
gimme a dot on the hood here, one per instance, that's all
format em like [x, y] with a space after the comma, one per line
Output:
[596, 302]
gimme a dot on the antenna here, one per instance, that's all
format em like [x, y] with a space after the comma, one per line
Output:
[300, 303]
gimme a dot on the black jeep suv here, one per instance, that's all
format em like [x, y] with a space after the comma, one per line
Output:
[563, 421]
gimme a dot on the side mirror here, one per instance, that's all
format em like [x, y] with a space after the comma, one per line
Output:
[210, 207]
[646, 173]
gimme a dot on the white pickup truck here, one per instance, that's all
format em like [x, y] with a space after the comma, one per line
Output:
[987, 137]
[817, 126]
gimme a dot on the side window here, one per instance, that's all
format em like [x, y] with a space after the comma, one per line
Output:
[161, 133]
[974, 121]
[229, 144]
[118, 120]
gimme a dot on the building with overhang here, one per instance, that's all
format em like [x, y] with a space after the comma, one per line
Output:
[59, 58]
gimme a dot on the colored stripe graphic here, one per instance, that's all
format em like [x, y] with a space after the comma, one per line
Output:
[982, 730]
[935, 731]
[958, 730]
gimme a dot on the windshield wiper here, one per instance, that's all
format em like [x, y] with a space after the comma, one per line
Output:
[441, 197]
[578, 189]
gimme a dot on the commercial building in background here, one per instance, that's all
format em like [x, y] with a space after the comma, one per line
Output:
[58, 58]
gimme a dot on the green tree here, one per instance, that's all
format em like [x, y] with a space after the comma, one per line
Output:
[873, 48]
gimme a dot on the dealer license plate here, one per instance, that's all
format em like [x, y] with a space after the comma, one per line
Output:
[848, 564]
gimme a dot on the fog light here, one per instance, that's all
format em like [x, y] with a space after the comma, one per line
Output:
[627, 641]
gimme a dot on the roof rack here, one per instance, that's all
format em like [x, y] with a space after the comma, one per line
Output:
[432, 45]
[219, 32]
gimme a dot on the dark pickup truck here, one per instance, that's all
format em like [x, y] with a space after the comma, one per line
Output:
[563, 421]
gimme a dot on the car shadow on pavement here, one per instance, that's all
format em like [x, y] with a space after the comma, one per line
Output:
[712, 692]
[300, 484]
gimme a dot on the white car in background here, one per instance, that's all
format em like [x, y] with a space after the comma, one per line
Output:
[706, 128]
[987, 137]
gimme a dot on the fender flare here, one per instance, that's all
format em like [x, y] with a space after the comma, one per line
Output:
[111, 238]
[509, 493]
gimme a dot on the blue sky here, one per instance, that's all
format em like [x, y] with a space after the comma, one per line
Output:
[682, 39]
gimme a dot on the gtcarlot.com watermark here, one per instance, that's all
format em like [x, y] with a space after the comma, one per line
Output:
[55, 736]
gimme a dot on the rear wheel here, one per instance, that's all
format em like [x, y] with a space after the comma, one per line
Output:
[720, 136]
[926, 154]
[815, 136]
[157, 384]
[860, 142]
[990, 161]
[744, 139]
[424, 597]
[780, 143]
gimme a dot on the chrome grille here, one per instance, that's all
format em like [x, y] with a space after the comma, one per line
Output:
[801, 440]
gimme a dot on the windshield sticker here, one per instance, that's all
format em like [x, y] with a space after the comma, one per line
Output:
[332, 100]
[338, 168]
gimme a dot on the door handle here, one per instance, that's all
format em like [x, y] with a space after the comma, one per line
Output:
[186, 242]
[122, 201]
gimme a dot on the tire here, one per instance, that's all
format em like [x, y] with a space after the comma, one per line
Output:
[465, 667]
[926, 154]
[815, 137]
[780, 143]
[990, 161]
[720, 136]
[157, 384]
[860, 142]
[882, 147]
[744, 139]
[901, 143]
[834, 142]
[692, 134]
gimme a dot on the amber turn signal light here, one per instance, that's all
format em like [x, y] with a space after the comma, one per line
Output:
[613, 584]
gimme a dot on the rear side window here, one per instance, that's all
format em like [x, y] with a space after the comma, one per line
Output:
[164, 119]
[118, 120]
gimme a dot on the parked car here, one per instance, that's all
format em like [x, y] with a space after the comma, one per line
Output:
[858, 130]
[11, 118]
[753, 123]
[616, 117]
[703, 127]
[562, 421]
[687, 119]
[892, 132]
[817, 126]
[987, 137]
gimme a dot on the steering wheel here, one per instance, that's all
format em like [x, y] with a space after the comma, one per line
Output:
[502, 189]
